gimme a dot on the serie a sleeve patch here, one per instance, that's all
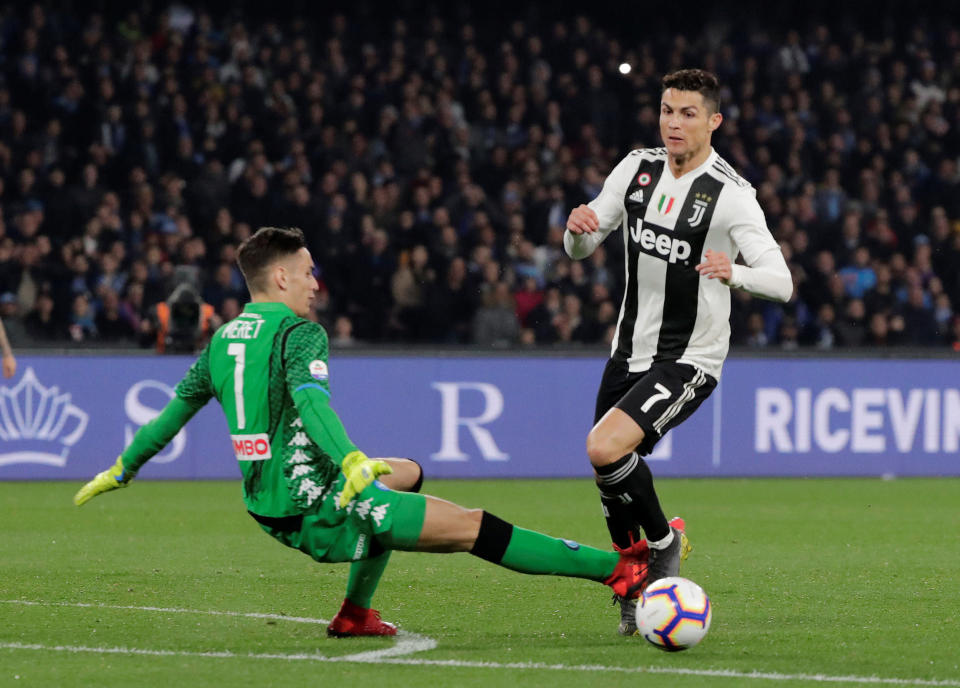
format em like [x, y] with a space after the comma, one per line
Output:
[318, 370]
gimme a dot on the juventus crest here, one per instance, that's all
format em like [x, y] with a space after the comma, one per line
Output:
[699, 206]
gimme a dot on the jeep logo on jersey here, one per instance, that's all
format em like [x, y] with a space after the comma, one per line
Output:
[251, 447]
[660, 245]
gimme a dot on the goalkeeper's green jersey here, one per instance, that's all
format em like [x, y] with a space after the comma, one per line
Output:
[268, 369]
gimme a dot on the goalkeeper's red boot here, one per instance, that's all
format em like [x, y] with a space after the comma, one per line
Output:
[627, 580]
[631, 572]
[628, 602]
[353, 621]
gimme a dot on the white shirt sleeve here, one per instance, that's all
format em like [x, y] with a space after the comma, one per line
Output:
[766, 273]
[608, 206]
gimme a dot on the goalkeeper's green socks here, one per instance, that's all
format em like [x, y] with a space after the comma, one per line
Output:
[364, 579]
[527, 551]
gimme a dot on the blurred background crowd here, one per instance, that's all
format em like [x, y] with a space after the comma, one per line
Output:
[432, 153]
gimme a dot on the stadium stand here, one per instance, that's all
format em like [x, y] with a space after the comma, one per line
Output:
[432, 160]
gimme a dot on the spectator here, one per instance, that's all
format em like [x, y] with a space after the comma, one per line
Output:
[543, 317]
[371, 283]
[495, 323]
[81, 327]
[16, 331]
[576, 326]
[920, 326]
[880, 298]
[606, 322]
[111, 325]
[42, 327]
[756, 332]
[822, 332]
[343, 333]
[852, 328]
[409, 286]
[221, 287]
[879, 332]
[830, 198]
[528, 297]
[858, 276]
[788, 335]
[452, 306]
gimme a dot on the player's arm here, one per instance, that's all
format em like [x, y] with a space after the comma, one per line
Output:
[9, 362]
[588, 225]
[192, 393]
[766, 273]
[305, 354]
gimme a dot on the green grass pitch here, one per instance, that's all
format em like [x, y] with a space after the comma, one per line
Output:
[811, 580]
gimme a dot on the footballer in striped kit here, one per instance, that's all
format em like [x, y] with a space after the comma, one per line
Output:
[686, 215]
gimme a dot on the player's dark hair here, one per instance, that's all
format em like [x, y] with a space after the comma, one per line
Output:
[699, 80]
[264, 247]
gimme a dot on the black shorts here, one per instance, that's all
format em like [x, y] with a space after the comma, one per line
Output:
[657, 399]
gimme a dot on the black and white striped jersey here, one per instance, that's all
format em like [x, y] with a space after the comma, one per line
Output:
[670, 313]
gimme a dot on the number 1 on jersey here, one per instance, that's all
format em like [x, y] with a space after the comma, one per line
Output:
[239, 351]
[662, 393]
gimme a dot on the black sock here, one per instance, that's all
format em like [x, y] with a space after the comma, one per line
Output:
[493, 538]
[623, 527]
[629, 482]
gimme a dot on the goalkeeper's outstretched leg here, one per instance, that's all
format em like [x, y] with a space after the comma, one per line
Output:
[448, 527]
[422, 523]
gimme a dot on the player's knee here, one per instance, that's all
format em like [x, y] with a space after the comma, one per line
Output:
[602, 449]
[407, 475]
[449, 527]
[473, 518]
[417, 471]
[465, 525]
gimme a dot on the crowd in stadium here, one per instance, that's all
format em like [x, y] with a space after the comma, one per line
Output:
[432, 161]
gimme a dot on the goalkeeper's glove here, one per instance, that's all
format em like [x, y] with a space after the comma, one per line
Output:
[360, 472]
[110, 479]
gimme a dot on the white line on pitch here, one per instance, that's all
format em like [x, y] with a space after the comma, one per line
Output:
[407, 642]
[716, 673]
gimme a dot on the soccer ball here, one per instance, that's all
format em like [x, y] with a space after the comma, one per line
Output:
[673, 614]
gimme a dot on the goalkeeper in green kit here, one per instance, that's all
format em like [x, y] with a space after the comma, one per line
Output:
[304, 481]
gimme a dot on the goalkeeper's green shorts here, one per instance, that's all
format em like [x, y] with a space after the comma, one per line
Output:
[378, 519]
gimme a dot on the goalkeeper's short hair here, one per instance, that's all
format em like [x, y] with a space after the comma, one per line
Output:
[264, 247]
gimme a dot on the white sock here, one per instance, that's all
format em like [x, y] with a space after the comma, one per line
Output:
[661, 544]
